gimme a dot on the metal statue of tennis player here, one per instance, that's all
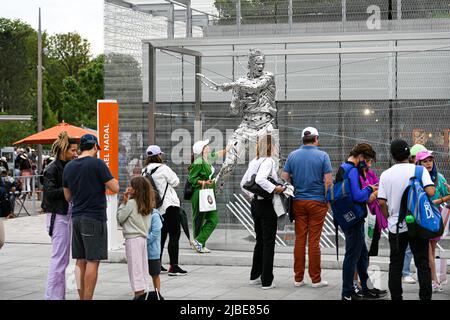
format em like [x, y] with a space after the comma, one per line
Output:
[253, 99]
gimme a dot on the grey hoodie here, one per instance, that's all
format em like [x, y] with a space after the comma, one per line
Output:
[133, 223]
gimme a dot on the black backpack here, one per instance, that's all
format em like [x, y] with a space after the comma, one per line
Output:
[158, 200]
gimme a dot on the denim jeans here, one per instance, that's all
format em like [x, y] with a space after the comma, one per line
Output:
[356, 258]
[406, 272]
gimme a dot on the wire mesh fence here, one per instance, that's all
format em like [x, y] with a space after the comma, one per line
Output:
[353, 97]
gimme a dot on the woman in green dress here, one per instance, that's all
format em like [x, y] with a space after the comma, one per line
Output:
[200, 176]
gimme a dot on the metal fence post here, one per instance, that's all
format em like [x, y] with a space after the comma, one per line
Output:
[344, 11]
[33, 190]
[238, 17]
[290, 14]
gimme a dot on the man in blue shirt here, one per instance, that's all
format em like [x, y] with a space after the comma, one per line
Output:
[85, 181]
[309, 170]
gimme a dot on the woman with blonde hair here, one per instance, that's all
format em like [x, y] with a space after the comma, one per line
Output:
[263, 213]
[58, 210]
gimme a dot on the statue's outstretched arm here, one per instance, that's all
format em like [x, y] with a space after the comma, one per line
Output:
[257, 85]
[214, 85]
[227, 86]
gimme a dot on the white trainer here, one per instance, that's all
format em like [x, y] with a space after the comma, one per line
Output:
[320, 284]
[408, 280]
[299, 284]
[437, 287]
[255, 282]
[197, 246]
[206, 250]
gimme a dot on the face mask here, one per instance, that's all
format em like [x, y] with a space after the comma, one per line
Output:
[362, 164]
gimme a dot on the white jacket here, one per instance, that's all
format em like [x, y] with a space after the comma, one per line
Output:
[162, 177]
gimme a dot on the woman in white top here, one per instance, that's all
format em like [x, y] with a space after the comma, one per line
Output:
[166, 180]
[263, 213]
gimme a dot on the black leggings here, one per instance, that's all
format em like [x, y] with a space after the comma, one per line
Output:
[171, 227]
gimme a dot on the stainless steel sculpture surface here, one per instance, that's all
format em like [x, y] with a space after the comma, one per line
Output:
[253, 99]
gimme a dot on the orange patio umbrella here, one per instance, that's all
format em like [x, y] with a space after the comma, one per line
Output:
[50, 135]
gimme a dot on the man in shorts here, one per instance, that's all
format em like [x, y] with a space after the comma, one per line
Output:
[85, 181]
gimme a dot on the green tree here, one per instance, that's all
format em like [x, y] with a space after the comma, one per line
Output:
[18, 54]
[80, 95]
[67, 54]
[67, 65]
[71, 50]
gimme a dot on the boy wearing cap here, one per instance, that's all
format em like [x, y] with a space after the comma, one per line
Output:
[393, 183]
[85, 180]
[415, 149]
[406, 272]
[309, 169]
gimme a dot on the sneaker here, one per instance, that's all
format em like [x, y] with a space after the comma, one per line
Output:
[381, 293]
[299, 284]
[374, 293]
[437, 287]
[175, 270]
[268, 287]
[255, 282]
[206, 250]
[354, 296]
[357, 288]
[163, 270]
[320, 284]
[197, 246]
[408, 280]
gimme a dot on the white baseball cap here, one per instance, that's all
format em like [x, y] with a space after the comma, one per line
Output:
[199, 145]
[310, 131]
[154, 150]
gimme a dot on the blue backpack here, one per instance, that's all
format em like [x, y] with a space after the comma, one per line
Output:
[427, 220]
[345, 212]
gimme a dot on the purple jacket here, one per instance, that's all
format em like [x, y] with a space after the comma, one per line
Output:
[374, 207]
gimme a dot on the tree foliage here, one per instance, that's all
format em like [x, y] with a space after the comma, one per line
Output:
[72, 80]
[71, 50]
[18, 52]
[79, 97]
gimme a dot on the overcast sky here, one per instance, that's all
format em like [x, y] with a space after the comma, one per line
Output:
[60, 16]
[82, 16]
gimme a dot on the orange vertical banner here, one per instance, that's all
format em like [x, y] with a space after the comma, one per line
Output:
[108, 134]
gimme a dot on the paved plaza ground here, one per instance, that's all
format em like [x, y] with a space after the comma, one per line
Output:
[222, 274]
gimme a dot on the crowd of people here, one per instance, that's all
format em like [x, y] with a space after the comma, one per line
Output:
[150, 212]
[16, 181]
[309, 170]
